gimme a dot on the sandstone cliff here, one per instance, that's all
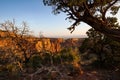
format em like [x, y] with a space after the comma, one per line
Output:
[49, 44]
[52, 45]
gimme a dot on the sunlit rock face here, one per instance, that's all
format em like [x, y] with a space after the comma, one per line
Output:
[73, 42]
[55, 45]
[49, 44]
[31, 44]
[43, 45]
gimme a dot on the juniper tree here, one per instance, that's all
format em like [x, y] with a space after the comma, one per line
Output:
[92, 12]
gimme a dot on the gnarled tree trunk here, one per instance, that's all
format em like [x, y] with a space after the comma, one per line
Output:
[102, 27]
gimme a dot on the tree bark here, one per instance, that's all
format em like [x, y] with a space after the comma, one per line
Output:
[102, 27]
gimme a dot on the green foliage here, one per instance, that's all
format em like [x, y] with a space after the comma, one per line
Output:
[85, 46]
[114, 10]
[113, 22]
[66, 56]
[20, 57]
[47, 58]
[105, 48]
[57, 59]
[10, 71]
[64, 5]
[70, 55]
[35, 61]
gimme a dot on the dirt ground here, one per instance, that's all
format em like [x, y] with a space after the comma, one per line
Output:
[61, 73]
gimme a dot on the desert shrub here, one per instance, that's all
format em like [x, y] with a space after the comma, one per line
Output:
[57, 59]
[46, 58]
[103, 47]
[67, 57]
[70, 55]
[85, 45]
[35, 61]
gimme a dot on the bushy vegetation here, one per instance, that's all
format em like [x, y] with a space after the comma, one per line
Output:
[67, 59]
[18, 57]
[20, 60]
[105, 51]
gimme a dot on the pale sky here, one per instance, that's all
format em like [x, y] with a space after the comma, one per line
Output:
[39, 18]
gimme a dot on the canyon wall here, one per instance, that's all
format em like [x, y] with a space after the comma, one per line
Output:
[52, 45]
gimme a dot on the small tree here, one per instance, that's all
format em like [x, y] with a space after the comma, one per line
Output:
[21, 46]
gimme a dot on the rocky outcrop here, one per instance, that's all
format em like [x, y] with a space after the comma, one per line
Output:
[72, 42]
[52, 45]
[43, 45]
[55, 45]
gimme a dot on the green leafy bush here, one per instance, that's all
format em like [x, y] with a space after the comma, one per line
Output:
[35, 61]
